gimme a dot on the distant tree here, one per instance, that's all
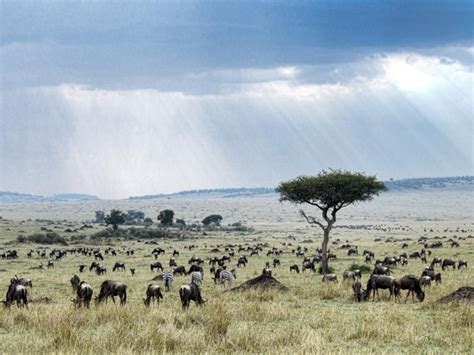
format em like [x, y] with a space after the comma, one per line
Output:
[134, 217]
[99, 217]
[166, 217]
[213, 218]
[115, 218]
[148, 221]
[181, 222]
[329, 192]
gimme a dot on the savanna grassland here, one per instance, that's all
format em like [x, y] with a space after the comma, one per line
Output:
[311, 316]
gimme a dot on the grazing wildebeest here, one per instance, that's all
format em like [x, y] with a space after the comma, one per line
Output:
[111, 288]
[132, 270]
[83, 294]
[454, 244]
[308, 265]
[462, 263]
[82, 267]
[242, 261]
[357, 288]
[172, 262]
[412, 284]
[425, 281]
[329, 277]
[188, 293]
[276, 262]
[75, 281]
[157, 266]
[351, 274]
[179, 270]
[295, 268]
[22, 281]
[414, 255]
[380, 281]
[436, 260]
[352, 251]
[98, 256]
[153, 292]
[381, 270]
[119, 265]
[50, 264]
[436, 276]
[93, 266]
[175, 253]
[448, 262]
[100, 270]
[16, 292]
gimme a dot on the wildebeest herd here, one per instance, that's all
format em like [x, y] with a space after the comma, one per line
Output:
[222, 273]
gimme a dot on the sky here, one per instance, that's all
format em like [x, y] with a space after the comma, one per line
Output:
[121, 98]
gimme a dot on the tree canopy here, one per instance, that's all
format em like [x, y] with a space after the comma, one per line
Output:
[329, 191]
[166, 217]
[115, 218]
[213, 218]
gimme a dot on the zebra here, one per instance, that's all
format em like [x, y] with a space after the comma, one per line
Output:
[196, 278]
[168, 279]
[227, 276]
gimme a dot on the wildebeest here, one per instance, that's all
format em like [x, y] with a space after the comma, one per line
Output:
[376, 282]
[436, 260]
[351, 274]
[381, 270]
[132, 271]
[329, 277]
[119, 265]
[308, 265]
[462, 263]
[295, 268]
[436, 276]
[16, 292]
[83, 294]
[75, 281]
[50, 264]
[111, 288]
[179, 270]
[447, 263]
[100, 270]
[194, 268]
[242, 261]
[188, 293]
[276, 262]
[425, 281]
[157, 266]
[153, 292]
[357, 288]
[412, 284]
[82, 267]
[172, 262]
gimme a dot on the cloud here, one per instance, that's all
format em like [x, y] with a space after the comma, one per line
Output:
[384, 115]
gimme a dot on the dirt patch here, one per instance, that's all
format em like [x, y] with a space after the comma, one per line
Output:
[261, 282]
[45, 300]
[464, 294]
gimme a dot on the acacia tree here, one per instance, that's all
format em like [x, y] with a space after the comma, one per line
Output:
[115, 218]
[329, 192]
[166, 217]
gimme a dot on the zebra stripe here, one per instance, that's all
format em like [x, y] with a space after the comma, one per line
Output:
[168, 279]
[196, 278]
[226, 276]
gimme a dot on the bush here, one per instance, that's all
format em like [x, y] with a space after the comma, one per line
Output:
[43, 238]
[362, 267]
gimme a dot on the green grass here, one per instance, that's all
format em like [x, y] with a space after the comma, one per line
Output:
[311, 317]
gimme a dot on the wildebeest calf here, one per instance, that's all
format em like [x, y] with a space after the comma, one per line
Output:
[153, 292]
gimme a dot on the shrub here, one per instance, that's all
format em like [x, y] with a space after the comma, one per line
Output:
[362, 267]
[43, 238]
[330, 269]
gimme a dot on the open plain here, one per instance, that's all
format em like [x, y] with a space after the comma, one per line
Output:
[311, 316]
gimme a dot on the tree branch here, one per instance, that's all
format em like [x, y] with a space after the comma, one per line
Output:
[312, 220]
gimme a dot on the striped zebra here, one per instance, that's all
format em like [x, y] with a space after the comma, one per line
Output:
[196, 278]
[168, 279]
[226, 277]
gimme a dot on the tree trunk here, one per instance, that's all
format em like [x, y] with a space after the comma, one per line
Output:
[324, 248]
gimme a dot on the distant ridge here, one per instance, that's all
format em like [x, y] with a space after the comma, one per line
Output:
[6, 196]
[392, 185]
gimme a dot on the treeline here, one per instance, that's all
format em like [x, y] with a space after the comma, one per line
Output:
[420, 183]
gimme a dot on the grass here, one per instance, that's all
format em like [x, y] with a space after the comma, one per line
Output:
[312, 317]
